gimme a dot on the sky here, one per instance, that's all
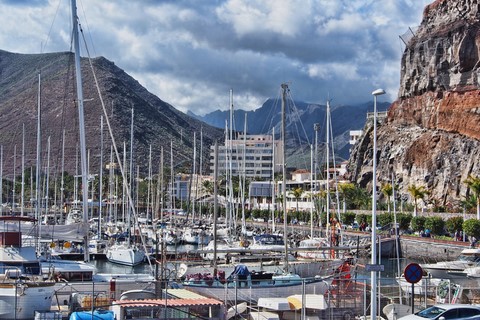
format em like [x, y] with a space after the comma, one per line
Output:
[191, 53]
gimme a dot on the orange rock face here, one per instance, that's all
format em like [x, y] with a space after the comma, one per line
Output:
[432, 134]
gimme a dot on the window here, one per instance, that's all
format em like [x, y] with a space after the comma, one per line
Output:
[467, 312]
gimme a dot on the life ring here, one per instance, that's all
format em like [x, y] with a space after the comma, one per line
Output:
[67, 245]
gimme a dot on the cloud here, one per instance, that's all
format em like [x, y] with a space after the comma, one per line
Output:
[191, 53]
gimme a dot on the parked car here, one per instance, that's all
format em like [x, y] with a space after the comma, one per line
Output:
[447, 312]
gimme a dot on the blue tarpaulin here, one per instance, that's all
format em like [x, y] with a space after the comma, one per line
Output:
[97, 315]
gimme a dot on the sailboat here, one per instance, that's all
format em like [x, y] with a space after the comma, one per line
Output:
[23, 289]
[126, 253]
[244, 284]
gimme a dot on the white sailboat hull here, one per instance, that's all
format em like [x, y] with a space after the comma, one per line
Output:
[247, 292]
[128, 256]
[21, 302]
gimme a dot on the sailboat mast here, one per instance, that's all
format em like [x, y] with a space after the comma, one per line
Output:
[37, 169]
[284, 175]
[47, 178]
[22, 194]
[311, 191]
[244, 175]
[1, 178]
[193, 196]
[172, 178]
[62, 180]
[100, 184]
[14, 176]
[273, 179]
[130, 181]
[327, 187]
[215, 208]
[81, 120]
[149, 185]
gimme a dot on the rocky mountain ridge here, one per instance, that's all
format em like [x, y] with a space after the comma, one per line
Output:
[156, 123]
[431, 136]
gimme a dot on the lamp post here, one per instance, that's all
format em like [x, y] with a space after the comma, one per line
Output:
[373, 287]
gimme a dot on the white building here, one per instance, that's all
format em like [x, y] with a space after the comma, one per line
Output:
[252, 154]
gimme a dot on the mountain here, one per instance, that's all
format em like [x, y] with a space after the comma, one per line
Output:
[156, 123]
[301, 118]
[431, 136]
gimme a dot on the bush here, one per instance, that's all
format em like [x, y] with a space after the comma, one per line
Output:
[323, 218]
[435, 224]
[453, 224]
[384, 219]
[348, 217]
[362, 218]
[403, 220]
[472, 228]
[418, 223]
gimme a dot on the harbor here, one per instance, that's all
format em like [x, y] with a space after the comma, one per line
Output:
[119, 206]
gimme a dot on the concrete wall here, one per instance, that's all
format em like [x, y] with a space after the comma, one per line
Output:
[430, 250]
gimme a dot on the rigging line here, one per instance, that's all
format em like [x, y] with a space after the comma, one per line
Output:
[335, 176]
[271, 114]
[64, 108]
[117, 155]
[295, 120]
[297, 114]
[51, 27]
[88, 28]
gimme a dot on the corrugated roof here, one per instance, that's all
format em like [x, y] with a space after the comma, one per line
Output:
[184, 294]
[168, 302]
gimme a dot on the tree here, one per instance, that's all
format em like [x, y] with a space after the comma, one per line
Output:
[297, 194]
[346, 190]
[348, 218]
[208, 187]
[473, 183]
[387, 190]
[418, 223]
[471, 227]
[454, 224]
[435, 224]
[403, 220]
[416, 193]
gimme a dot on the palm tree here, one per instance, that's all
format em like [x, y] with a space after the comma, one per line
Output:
[208, 187]
[297, 194]
[416, 193]
[473, 182]
[346, 189]
[387, 190]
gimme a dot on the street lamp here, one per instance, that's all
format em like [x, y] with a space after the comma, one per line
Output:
[373, 287]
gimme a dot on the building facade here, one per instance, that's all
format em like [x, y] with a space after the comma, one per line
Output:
[250, 154]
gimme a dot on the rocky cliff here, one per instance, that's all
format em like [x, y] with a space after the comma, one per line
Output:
[431, 136]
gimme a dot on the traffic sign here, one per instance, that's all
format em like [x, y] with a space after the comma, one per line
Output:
[374, 267]
[413, 273]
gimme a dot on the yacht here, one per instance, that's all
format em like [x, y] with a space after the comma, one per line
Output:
[125, 254]
[468, 258]
[23, 289]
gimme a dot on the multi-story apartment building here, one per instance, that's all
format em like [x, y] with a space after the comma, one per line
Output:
[252, 154]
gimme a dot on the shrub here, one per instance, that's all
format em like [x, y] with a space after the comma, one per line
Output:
[453, 224]
[362, 218]
[403, 220]
[472, 228]
[384, 219]
[348, 217]
[418, 223]
[435, 224]
[323, 218]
